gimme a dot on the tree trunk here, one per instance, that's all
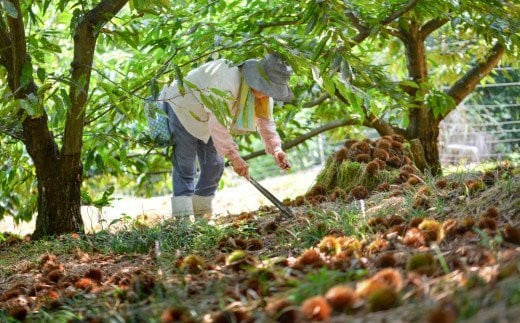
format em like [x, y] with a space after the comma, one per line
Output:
[58, 202]
[423, 125]
[58, 194]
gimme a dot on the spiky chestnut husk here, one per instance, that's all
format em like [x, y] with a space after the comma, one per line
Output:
[317, 189]
[474, 185]
[19, 312]
[412, 180]
[441, 183]
[390, 277]
[386, 260]
[359, 192]
[230, 316]
[282, 310]
[341, 297]
[372, 168]
[491, 212]
[421, 202]
[487, 223]
[10, 294]
[310, 257]
[176, 314]
[488, 178]
[338, 194]
[329, 245]
[396, 145]
[55, 275]
[511, 234]
[422, 263]
[360, 147]
[394, 162]
[468, 223]
[95, 274]
[424, 190]
[299, 201]
[445, 312]
[409, 169]
[192, 264]
[394, 220]
[414, 222]
[432, 230]
[414, 238]
[398, 138]
[381, 154]
[378, 245]
[376, 223]
[270, 227]
[341, 155]
[452, 228]
[383, 187]
[370, 285]
[363, 158]
[350, 142]
[316, 308]
[51, 266]
[143, 283]
[382, 299]
[84, 284]
[254, 244]
[400, 229]
[350, 245]
[46, 258]
[382, 163]
[383, 144]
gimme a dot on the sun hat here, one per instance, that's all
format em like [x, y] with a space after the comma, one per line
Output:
[269, 75]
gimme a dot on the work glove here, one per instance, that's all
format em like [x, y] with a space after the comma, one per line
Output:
[281, 160]
[240, 166]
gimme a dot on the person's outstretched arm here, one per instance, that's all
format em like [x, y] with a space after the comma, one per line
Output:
[226, 146]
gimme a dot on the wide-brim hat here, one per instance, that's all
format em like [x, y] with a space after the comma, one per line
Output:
[269, 75]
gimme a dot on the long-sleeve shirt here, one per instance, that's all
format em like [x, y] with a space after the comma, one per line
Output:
[200, 121]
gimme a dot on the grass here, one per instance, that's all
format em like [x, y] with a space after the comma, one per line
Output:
[219, 286]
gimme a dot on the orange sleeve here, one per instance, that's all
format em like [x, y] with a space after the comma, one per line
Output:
[262, 108]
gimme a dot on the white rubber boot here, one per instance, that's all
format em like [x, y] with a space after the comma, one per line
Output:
[182, 206]
[202, 205]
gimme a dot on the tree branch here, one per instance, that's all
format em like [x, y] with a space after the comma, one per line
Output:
[263, 25]
[18, 48]
[364, 31]
[470, 80]
[316, 102]
[431, 26]
[382, 127]
[85, 37]
[397, 33]
[398, 13]
[304, 137]
[5, 46]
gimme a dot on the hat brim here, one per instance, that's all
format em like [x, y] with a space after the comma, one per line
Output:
[251, 70]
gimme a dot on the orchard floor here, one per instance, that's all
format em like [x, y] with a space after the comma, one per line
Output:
[435, 250]
[239, 196]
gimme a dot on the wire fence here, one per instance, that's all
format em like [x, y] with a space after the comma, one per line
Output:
[481, 132]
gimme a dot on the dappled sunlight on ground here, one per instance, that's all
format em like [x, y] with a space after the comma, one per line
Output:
[240, 196]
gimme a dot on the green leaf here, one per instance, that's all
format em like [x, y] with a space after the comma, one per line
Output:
[27, 71]
[10, 9]
[41, 73]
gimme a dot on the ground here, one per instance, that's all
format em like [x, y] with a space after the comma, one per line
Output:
[438, 250]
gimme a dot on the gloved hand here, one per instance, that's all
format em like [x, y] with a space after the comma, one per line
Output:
[240, 166]
[281, 160]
